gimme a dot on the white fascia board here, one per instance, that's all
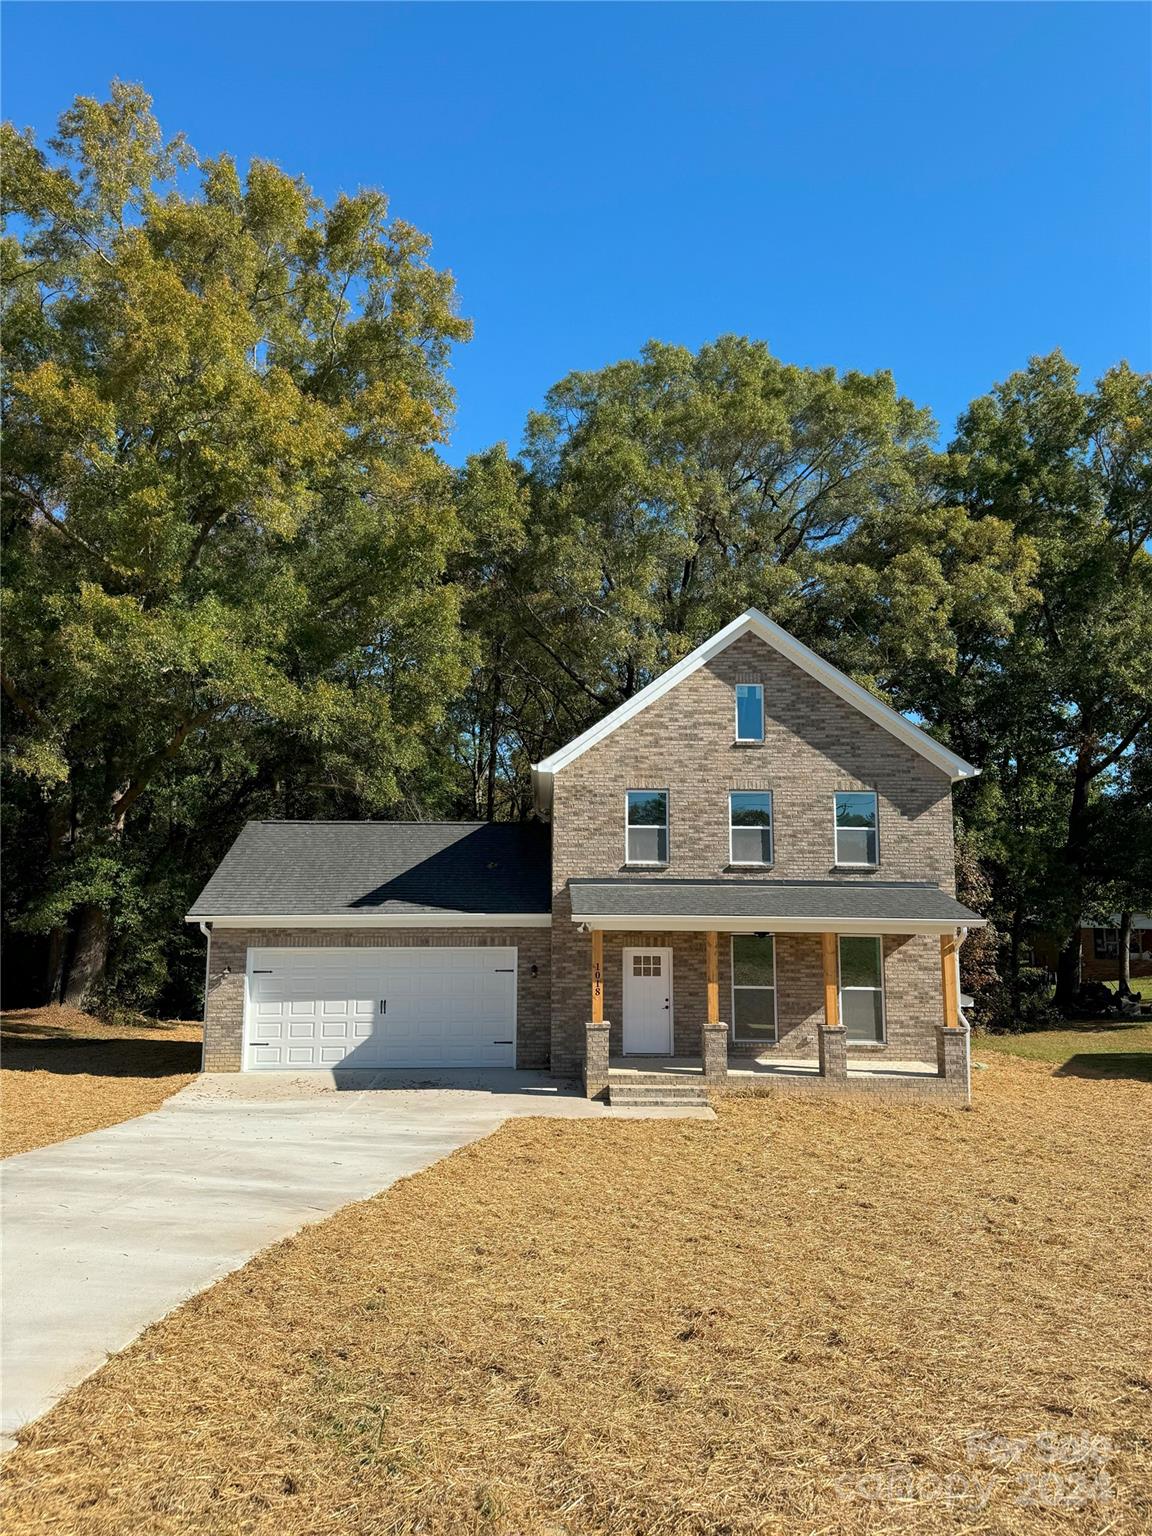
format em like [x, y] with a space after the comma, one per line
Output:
[384, 920]
[756, 623]
[848, 925]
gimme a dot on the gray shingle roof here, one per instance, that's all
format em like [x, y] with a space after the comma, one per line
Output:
[329, 868]
[817, 899]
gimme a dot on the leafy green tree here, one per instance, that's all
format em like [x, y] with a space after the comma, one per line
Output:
[1064, 705]
[227, 524]
[659, 497]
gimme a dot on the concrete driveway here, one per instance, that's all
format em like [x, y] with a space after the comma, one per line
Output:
[105, 1234]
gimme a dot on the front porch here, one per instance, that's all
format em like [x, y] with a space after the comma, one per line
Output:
[921, 1044]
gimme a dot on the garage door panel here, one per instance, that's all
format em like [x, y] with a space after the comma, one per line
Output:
[451, 1006]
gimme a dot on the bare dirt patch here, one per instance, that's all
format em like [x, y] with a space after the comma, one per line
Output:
[800, 1319]
[64, 1073]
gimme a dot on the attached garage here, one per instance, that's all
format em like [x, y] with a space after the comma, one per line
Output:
[397, 1007]
[378, 945]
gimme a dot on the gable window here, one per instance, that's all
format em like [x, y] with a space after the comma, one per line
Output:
[857, 823]
[862, 989]
[646, 831]
[753, 987]
[750, 827]
[749, 712]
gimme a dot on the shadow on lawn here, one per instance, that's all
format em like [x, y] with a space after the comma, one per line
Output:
[33, 1051]
[1133, 1064]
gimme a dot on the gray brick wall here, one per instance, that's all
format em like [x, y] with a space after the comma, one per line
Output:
[228, 958]
[815, 744]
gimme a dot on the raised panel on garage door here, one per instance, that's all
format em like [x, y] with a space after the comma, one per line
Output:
[310, 1008]
[440, 1006]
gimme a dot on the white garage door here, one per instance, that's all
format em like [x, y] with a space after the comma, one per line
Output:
[433, 1007]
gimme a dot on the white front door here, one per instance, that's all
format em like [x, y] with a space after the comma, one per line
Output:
[647, 1002]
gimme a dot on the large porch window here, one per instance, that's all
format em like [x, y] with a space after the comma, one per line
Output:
[862, 989]
[753, 988]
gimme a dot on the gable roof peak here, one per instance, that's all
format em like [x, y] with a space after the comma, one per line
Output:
[753, 621]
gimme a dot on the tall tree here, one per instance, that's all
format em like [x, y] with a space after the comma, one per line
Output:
[659, 497]
[227, 524]
[1065, 704]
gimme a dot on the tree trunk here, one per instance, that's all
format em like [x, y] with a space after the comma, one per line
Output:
[89, 956]
[493, 751]
[1123, 972]
[54, 970]
[1075, 852]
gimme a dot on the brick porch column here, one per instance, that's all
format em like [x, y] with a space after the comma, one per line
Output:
[833, 1051]
[714, 1051]
[596, 1058]
[952, 1060]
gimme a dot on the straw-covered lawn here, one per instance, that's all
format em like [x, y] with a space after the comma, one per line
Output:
[63, 1073]
[802, 1319]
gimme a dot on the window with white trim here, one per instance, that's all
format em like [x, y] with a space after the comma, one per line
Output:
[750, 826]
[749, 712]
[646, 826]
[857, 828]
[862, 988]
[753, 988]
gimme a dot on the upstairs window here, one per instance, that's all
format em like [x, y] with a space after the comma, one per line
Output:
[646, 830]
[749, 712]
[857, 824]
[750, 827]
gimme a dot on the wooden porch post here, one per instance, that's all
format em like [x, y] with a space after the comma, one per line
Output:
[712, 972]
[948, 980]
[597, 976]
[831, 981]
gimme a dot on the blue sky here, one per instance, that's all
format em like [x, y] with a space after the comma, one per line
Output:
[937, 189]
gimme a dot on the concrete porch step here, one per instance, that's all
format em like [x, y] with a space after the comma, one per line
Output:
[646, 1095]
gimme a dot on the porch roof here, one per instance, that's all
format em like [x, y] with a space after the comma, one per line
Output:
[779, 906]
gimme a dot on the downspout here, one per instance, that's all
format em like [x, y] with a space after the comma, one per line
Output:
[963, 934]
[206, 930]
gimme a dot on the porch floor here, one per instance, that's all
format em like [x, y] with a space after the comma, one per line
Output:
[637, 1068]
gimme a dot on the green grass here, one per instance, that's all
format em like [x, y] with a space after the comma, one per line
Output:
[1090, 1050]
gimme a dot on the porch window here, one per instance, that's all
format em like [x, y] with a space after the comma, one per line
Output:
[862, 988]
[749, 712]
[754, 988]
[646, 831]
[857, 823]
[750, 827]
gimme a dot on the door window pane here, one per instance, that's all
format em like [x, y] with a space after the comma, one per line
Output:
[856, 829]
[749, 712]
[750, 814]
[647, 832]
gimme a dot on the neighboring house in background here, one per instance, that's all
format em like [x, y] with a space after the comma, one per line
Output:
[750, 861]
[1100, 950]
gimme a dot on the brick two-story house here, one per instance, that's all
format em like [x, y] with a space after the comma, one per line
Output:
[749, 863]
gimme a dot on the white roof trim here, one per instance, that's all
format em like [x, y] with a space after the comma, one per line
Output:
[756, 623]
[382, 920]
[848, 925]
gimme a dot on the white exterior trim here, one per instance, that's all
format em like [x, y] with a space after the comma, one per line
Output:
[756, 623]
[385, 920]
[867, 926]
